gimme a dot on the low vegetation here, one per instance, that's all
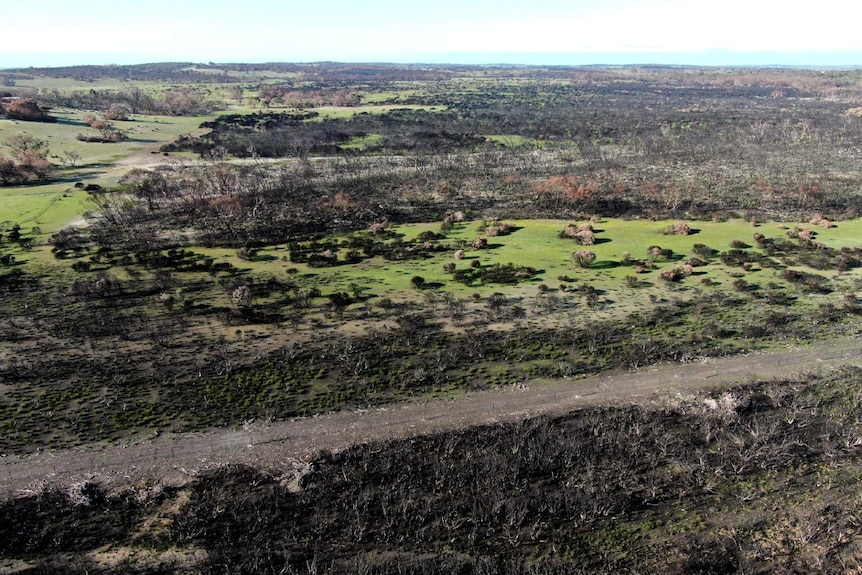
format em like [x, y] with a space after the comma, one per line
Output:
[401, 315]
[344, 236]
[752, 479]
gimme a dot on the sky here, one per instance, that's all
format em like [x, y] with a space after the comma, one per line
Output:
[709, 32]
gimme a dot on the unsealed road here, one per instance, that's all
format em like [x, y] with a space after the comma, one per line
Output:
[174, 458]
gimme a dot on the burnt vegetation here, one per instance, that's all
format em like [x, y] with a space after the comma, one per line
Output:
[640, 142]
[711, 146]
[142, 311]
[727, 482]
[167, 313]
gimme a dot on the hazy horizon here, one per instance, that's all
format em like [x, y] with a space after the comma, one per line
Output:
[545, 32]
[716, 58]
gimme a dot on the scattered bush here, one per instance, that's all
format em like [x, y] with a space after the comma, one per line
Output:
[246, 253]
[677, 229]
[385, 303]
[703, 251]
[583, 234]
[429, 236]
[819, 220]
[10, 172]
[322, 259]
[583, 258]
[117, 112]
[677, 274]
[452, 218]
[27, 110]
[380, 229]
[804, 235]
[809, 282]
[657, 252]
[494, 228]
[241, 296]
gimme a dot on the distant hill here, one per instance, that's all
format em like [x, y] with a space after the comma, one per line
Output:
[825, 60]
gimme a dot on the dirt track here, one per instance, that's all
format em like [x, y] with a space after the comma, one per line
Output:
[174, 458]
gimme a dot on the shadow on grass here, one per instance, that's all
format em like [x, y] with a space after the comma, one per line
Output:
[605, 265]
[66, 122]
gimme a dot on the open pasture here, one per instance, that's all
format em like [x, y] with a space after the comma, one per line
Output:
[535, 244]
[48, 207]
[56, 203]
[144, 133]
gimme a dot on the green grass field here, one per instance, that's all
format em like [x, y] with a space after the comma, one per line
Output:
[536, 244]
[48, 83]
[143, 132]
[378, 97]
[327, 112]
[49, 207]
[338, 112]
[55, 204]
[360, 143]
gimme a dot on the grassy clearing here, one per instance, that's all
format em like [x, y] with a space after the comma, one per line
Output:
[535, 244]
[328, 112]
[337, 112]
[46, 83]
[50, 207]
[143, 132]
[360, 143]
[55, 204]
[378, 97]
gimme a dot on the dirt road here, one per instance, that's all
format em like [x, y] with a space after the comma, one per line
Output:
[175, 458]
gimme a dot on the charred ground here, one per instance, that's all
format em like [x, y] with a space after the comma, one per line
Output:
[755, 479]
[234, 285]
